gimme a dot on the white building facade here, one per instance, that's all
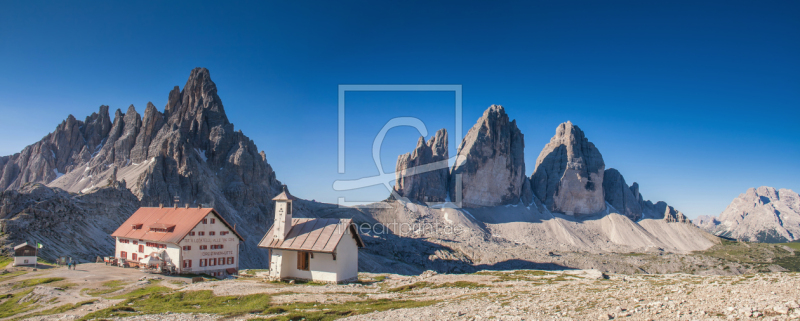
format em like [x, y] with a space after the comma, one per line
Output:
[186, 240]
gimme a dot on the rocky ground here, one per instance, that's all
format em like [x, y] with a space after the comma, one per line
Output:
[502, 295]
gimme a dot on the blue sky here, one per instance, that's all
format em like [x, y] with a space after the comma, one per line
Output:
[696, 102]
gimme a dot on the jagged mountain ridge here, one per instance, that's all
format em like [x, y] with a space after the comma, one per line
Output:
[191, 150]
[763, 214]
[569, 176]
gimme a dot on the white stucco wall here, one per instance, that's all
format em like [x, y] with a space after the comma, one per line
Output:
[230, 247]
[322, 267]
[347, 258]
[20, 260]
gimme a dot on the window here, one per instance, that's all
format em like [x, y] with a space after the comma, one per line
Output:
[134, 257]
[230, 260]
[211, 233]
[205, 221]
[201, 233]
[187, 248]
[187, 263]
[223, 233]
[204, 247]
[191, 233]
[123, 255]
[141, 248]
[302, 260]
[212, 262]
[135, 242]
[124, 241]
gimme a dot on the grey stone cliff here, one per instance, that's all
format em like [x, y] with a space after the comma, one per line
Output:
[430, 186]
[568, 177]
[620, 196]
[75, 225]
[493, 170]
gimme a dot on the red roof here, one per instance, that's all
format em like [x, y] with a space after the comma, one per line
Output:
[313, 234]
[183, 219]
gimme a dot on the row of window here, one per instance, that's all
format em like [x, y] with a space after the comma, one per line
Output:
[205, 221]
[124, 241]
[204, 247]
[212, 233]
[210, 262]
[156, 245]
[216, 261]
[134, 256]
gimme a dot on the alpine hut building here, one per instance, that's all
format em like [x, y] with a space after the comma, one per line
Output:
[182, 239]
[318, 249]
[24, 254]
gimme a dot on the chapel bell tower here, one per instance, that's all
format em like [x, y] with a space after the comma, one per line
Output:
[283, 214]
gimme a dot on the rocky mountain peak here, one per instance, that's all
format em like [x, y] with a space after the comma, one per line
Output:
[426, 186]
[191, 150]
[763, 214]
[568, 177]
[493, 170]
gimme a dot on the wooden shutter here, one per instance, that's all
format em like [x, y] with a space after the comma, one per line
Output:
[302, 260]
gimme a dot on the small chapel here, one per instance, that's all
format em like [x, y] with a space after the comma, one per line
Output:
[313, 249]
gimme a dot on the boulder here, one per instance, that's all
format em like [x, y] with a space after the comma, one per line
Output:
[418, 182]
[492, 166]
[568, 177]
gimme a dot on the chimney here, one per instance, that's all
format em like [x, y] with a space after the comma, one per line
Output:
[176, 205]
[187, 205]
[199, 206]
[160, 205]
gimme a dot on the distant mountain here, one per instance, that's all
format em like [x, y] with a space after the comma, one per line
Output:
[190, 150]
[761, 214]
[570, 203]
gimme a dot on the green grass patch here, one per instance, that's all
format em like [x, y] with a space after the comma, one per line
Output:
[145, 291]
[59, 309]
[757, 255]
[328, 312]
[519, 275]
[793, 245]
[106, 288]
[154, 302]
[34, 282]
[7, 276]
[5, 260]
[12, 305]
[379, 278]
[160, 300]
[459, 284]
